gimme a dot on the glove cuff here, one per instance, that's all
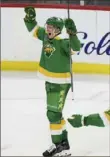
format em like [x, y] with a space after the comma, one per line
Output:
[71, 32]
[30, 24]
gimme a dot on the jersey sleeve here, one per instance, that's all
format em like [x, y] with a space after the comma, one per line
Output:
[39, 32]
[73, 42]
[65, 45]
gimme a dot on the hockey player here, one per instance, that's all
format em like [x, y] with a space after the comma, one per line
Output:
[54, 68]
[94, 119]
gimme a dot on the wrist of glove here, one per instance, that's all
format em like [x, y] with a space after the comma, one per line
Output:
[30, 14]
[70, 26]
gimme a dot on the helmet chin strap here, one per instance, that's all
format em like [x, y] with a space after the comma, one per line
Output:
[57, 31]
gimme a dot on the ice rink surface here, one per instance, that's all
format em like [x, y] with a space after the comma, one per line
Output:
[25, 128]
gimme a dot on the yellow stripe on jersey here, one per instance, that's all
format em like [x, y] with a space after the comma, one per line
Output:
[35, 32]
[54, 75]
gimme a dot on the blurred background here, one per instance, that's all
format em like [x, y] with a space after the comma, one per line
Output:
[75, 2]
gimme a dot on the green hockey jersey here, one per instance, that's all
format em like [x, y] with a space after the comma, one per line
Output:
[54, 63]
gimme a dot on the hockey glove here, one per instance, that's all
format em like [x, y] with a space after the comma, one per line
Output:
[29, 19]
[75, 120]
[70, 26]
[30, 14]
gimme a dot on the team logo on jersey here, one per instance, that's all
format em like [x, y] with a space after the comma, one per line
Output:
[48, 50]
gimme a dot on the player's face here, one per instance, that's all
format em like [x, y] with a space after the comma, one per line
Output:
[50, 31]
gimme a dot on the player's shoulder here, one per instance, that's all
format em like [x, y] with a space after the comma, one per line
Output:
[60, 38]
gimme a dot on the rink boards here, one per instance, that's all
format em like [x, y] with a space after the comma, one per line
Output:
[20, 51]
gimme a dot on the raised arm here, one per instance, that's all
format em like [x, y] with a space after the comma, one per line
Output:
[73, 39]
[31, 23]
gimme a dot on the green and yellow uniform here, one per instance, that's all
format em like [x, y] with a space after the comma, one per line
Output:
[54, 68]
[54, 64]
